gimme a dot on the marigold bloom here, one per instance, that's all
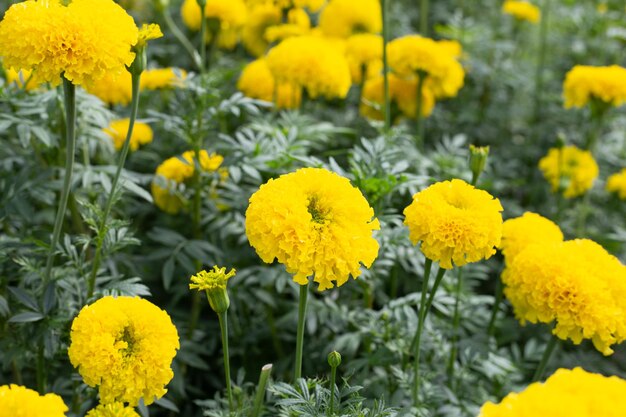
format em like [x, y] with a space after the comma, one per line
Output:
[18, 401]
[113, 89]
[525, 230]
[567, 393]
[402, 93]
[83, 41]
[364, 53]
[213, 282]
[174, 172]
[24, 79]
[162, 78]
[455, 223]
[414, 54]
[577, 283]
[616, 183]
[312, 5]
[311, 63]
[256, 81]
[231, 14]
[315, 223]
[298, 24]
[112, 410]
[118, 129]
[343, 18]
[264, 25]
[586, 83]
[570, 169]
[522, 10]
[125, 346]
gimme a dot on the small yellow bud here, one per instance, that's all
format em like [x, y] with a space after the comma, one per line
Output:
[214, 283]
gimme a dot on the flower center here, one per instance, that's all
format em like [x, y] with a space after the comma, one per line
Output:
[126, 341]
[318, 213]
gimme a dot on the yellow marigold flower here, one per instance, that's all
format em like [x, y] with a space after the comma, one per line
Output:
[315, 223]
[402, 94]
[18, 401]
[232, 14]
[112, 410]
[567, 393]
[174, 172]
[312, 5]
[125, 346]
[160, 78]
[522, 10]
[148, 32]
[256, 81]
[577, 283]
[616, 183]
[364, 52]
[343, 18]
[311, 63]
[413, 54]
[83, 41]
[214, 283]
[113, 89]
[586, 83]
[24, 79]
[118, 129]
[569, 169]
[526, 230]
[455, 223]
[264, 26]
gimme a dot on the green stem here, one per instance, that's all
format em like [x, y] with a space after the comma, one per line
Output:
[260, 391]
[387, 110]
[304, 292]
[203, 44]
[419, 140]
[440, 273]
[491, 329]
[595, 131]
[41, 369]
[456, 321]
[541, 61]
[333, 379]
[69, 93]
[550, 347]
[223, 317]
[420, 323]
[424, 5]
[134, 107]
[178, 34]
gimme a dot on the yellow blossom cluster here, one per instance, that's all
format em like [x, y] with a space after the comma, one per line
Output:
[587, 83]
[567, 393]
[116, 409]
[118, 129]
[343, 18]
[315, 223]
[364, 53]
[83, 41]
[162, 78]
[23, 78]
[214, 279]
[310, 63]
[616, 183]
[569, 170]
[265, 25]
[231, 15]
[455, 223]
[436, 60]
[528, 229]
[257, 81]
[402, 93]
[125, 346]
[522, 10]
[18, 401]
[576, 283]
[174, 173]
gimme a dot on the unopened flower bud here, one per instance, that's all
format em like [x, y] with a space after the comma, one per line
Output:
[478, 160]
[334, 359]
[214, 283]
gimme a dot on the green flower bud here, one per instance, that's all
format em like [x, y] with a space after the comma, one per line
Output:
[478, 160]
[334, 359]
[213, 282]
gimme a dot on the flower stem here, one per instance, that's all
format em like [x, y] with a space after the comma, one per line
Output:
[134, 107]
[424, 5]
[333, 380]
[224, 328]
[387, 110]
[456, 321]
[541, 61]
[419, 126]
[260, 391]
[491, 329]
[420, 323]
[203, 44]
[304, 292]
[178, 34]
[550, 347]
[69, 93]
[440, 273]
